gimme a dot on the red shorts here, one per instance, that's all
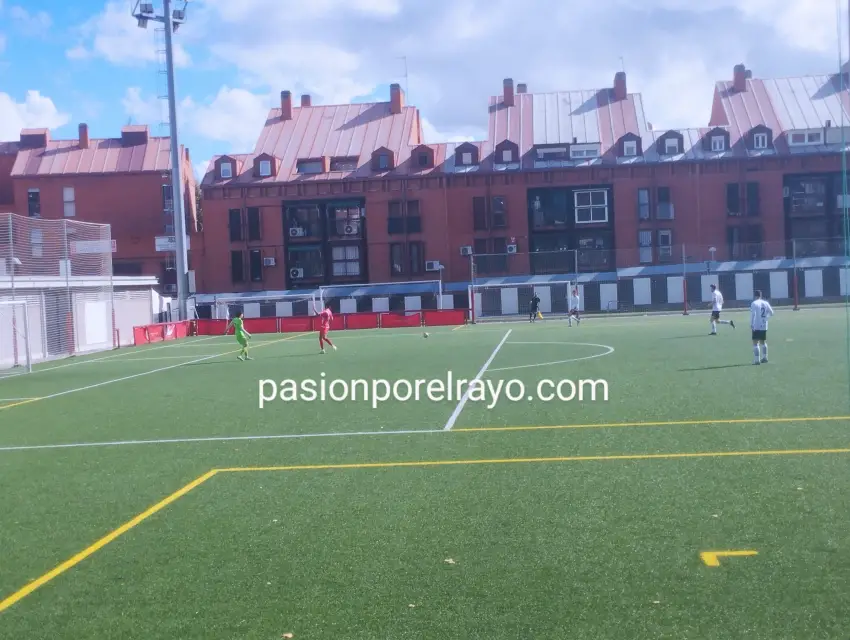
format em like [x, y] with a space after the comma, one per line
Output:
[323, 332]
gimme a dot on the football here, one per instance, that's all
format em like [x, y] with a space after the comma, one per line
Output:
[425, 335]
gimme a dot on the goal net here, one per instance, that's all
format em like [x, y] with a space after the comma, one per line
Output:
[505, 301]
[381, 297]
[15, 338]
[282, 305]
[62, 269]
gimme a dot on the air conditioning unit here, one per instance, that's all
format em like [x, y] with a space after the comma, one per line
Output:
[511, 248]
[296, 274]
[268, 262]
[297, 232]
[466, 250]
[170, 288]
[351, 229]
[433, 265]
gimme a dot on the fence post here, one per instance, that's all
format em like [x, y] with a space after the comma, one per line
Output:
[796, 285]
[12, 256]
[472, 288]
[684, 281]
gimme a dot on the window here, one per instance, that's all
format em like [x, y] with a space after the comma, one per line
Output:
[310, 166]
[395, 217]
[255, 265]
[591, 206]
[423, 160]
[733, 199]
[234, 223]
[753, 199]
[798, 138]
[254, 226]
[807, 196]
[127, 268]
[760, 141]
[383, 162]
[397, 259]
[665, 245]
[417, 258]
[169, 229]
[346, 260]
[498, 214]
[507, 156]
[226, 170]
[414, 219]
[552, 153]
[630, 148]
[645, 247]
[265, 168]
[814, 137]
[664, 210]
[582, 152]
[167, 200]
[343, 164]
[34, 203]
[345, 220]
[308, 258]
[237, 268]
[671, 146]
[69, 205]
[479, 247]
[479, 214]
[718, 143]
[643, 204]
[466, 158]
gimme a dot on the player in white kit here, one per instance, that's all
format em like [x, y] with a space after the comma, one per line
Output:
[574, 302]
[716, 308]
[760, 313]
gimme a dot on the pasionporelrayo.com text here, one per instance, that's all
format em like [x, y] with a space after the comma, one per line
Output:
[449, 389]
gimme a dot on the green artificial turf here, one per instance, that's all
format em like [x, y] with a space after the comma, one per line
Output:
[556, 546]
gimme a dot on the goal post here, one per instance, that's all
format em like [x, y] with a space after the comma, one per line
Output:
[512, 301]
[382, 297]
[282, 305]
[16, 348]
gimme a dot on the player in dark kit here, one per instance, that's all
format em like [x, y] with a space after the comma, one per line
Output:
[534, 309]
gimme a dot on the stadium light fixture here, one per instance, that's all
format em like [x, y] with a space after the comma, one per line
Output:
[173, 15]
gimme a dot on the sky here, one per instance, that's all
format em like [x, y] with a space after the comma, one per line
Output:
[62, 63]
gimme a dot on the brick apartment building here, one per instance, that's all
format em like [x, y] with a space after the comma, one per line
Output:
[124, 182]
[565, 180]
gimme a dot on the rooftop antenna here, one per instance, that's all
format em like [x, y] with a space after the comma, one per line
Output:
[406, 78]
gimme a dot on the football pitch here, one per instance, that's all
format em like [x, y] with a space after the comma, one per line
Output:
[145, 493]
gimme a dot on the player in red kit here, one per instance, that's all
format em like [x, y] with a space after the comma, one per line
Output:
[325, 317]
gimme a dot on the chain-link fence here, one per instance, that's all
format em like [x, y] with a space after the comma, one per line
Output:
[62, 269]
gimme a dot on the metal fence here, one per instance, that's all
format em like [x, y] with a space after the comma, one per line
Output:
[63, 270]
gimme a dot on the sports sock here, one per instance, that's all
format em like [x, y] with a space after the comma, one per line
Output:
[764, 350]
[723, 321]
[713, 327]
[756, 352]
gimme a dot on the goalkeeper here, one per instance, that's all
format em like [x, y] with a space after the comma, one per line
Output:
[534, 309]
[242, 336]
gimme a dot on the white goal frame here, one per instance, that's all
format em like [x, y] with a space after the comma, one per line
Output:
[15, 353]
[510, 308]
[400, 285]
[221, 305]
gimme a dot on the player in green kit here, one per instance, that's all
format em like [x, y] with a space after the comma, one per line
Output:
[242, 336]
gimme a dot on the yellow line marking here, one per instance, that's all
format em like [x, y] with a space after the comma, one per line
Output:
[667, 423]
[85, 553]
[145, 373]
[711, 558]
[459, 327]
[442, 463]
[68, 564]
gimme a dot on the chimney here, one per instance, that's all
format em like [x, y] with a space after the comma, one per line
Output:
[396, 99]
[286, 105]
[306, 101]
[84, 136]
[739, 78]
[620, 89]
[508, 93]
[522, 88]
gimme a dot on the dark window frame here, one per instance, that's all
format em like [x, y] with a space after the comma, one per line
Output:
[255, 265]
[254, 221]
[237, 266]
[234, 225]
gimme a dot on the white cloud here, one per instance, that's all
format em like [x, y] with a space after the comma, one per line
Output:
[30, 24]
[114, 36]
[432, 135]
[200, 169]
[143, 110]
[36, 111]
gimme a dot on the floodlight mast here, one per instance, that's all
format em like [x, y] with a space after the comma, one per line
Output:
[144, 12]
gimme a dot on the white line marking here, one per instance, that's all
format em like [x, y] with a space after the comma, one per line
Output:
[126, 360]
[14, 399]
[139, 375]
[290, 436]
[609, 351]
[456, 413]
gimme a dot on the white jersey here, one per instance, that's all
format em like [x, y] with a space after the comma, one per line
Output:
[574, 303]
[760, 313]
[717, 300]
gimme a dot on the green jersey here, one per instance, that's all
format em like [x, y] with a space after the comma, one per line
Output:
[237, 326]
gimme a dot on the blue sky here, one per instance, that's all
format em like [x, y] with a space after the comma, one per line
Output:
[63, 62]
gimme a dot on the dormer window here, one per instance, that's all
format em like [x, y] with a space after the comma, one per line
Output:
[265, 168]
[344, 164]
[466, 155]
[671, 146]
[630, 148]
[226, 170]
[310, 166]
[466, 158]
[382, 159]
[383, 162]
[422, 160]
[552, 153]
[506, 153]
[814, 137]
[760, 141]
[507, 156]
[581, 152]
[718, 143]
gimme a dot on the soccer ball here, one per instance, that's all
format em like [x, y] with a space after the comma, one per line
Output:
[426, 334]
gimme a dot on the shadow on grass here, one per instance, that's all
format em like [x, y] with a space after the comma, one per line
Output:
[722, 366]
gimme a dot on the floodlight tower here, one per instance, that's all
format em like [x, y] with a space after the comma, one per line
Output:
[144, 12]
